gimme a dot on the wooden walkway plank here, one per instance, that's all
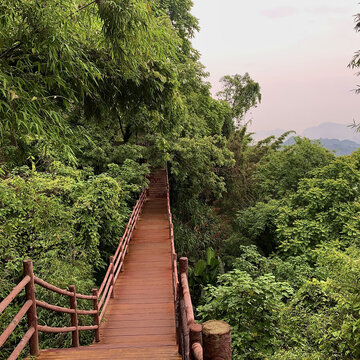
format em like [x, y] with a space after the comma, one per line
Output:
[140, 319]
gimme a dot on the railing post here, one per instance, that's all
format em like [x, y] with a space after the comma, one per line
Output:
[96, 315]
[31, 314]
[183, 265]
[185, 339]
[196, 341]
[185, 343]
[74, 317]
[112, 274]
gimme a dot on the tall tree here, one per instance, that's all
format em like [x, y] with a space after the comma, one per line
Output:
[355, 62]
[242, 93]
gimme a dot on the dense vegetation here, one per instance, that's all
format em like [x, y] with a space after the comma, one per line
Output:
[94, 95]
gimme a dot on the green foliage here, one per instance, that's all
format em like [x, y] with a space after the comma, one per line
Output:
[321, 320]
[240, 179]
[279, 172]
[242, 93]
[182, 20]
[197, 228]
[355, 62]
[192, 163]
[64, 66]
[93, 95]
[257, 223]
[68, 221]
[324, 208]
[249, 302]
[303, 216]
[207, 270]
[66, 210]
[275, 177]
[203, 273]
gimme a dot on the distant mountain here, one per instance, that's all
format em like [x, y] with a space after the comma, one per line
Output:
[340, 147]
[323, 131]
[332, 131]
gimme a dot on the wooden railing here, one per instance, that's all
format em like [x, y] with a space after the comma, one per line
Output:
[100, 298]
[212, 340]
[188, 332]
[190, 344]
[175, 279]
[116, 262]
[29, 309]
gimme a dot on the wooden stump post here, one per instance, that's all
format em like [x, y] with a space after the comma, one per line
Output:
[31, 314]
[183, 265]
[217, 340]
[74, 317]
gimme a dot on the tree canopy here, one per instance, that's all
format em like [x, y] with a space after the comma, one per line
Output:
[92, 97]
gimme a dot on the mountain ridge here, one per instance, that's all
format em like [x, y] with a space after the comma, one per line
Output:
[339, 147]
[326, 130]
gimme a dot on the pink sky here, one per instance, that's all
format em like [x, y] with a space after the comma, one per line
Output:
[297, 51]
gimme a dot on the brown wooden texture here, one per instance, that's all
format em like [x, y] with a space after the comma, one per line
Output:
[31, 313]
[190, 333]
[74, 317]
[17, 289]
[217, 340]
[96, 316]
[139, 322]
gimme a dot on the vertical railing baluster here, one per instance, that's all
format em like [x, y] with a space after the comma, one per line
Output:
[74, 317]
[112, 274]
[96, 315]
[31, 314]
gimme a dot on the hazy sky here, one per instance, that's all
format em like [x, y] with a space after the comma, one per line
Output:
[297, 50]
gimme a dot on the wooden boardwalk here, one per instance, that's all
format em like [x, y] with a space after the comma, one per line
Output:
[140, 319]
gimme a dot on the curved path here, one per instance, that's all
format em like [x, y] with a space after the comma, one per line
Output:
[140, 319]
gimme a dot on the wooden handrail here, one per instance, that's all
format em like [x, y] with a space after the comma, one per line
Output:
[106, 277]
[55, 308]
[196, 341]
[50, 287]
[172, 241]
[175, 279]
[190, 345]
[23, 342]
[85, 297]
[8, 331]
[105, 292]
[53, 288]
[104, 296]
[56, 330]
[105, 305]
[192, 339]
[74, 317]
[15, 292]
